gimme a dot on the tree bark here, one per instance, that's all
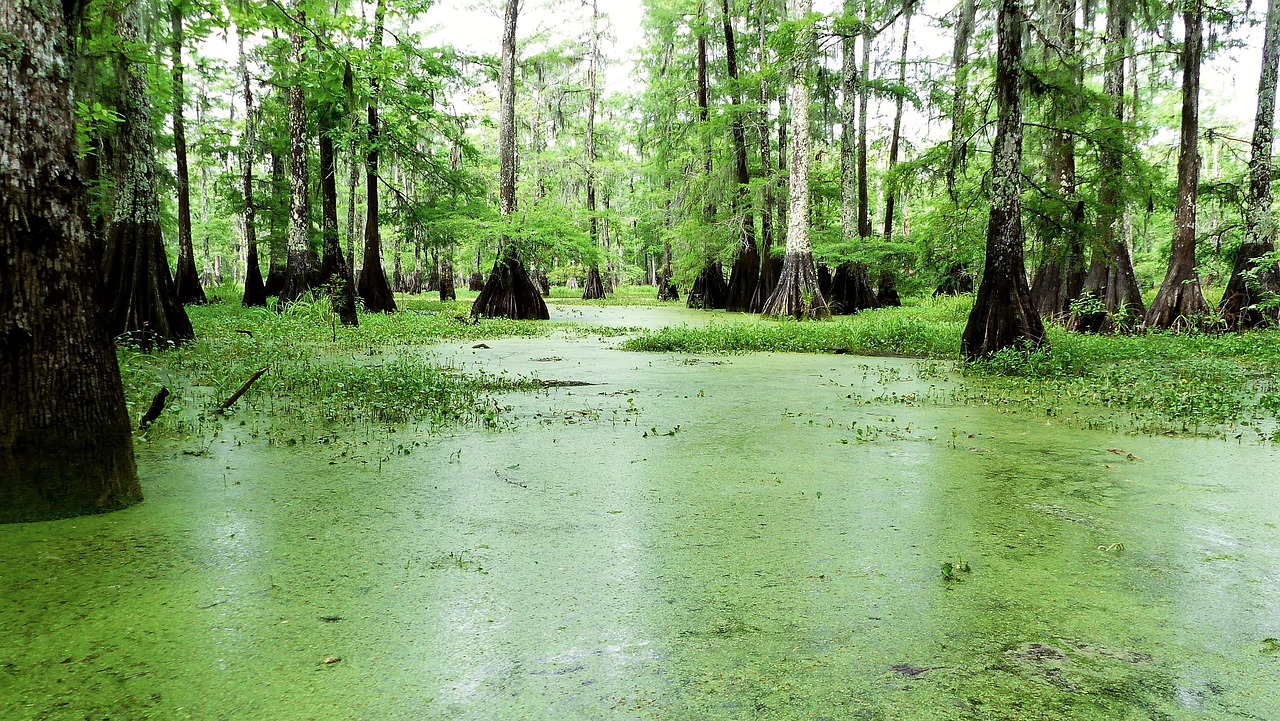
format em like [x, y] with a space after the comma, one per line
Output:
[334, 273]
[65, 441]
[1003, 316]
[277, 245]
[508, 293]
[769, 267]
[1110, 281]
[864, 95]
[593, 289]
[297, 272]
[797, 293]
[709, 291]
[373, 286]
[186, 277]
[959, 125]
[888, 293]
[1253, 281]
[255, 291]
[746, 266]
[353, 169]
[1180, 299]
[141, 298]
[1059, 275]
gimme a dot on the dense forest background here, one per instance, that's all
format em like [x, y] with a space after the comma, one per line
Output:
[903, 117]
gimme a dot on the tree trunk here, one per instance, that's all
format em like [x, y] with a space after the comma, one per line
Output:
[1252, 281]
[334, 274]
[797, 293]
[1110, 281]
[65, 442]
[297, 272]
[255, 291]
[959, 124]
[373, 286]
[353, 169]
[709, 291]
[888, 294]
[1180, 299]
[895, 139]
[1002, 315]
[593, 289]
[186, 278]
[769, 267]
[447, 291]
[509, 293]
[1059, 275]
[851, 289]
[141, 299]
[746, 267]
[864, 202]
[277, 247]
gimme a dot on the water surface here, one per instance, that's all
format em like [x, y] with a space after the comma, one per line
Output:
[742, 537]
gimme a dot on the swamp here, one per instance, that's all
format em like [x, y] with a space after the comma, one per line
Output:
[639, 359]
[685, 535]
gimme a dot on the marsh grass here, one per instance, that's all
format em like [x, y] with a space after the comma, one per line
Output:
[1160, 382]
[322, 372]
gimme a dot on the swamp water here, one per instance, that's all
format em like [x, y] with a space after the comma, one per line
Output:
[741, 537]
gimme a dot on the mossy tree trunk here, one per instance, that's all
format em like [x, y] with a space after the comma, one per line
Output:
[65, 442]
[1180, 299]
[1244, 291]
[141, 298]
[797, 293]
[297, 272]
[1003, 316]
[1059, 275]
[508, 293]
[888, 281]
[1111, 282]
[709, 291]
[593, 289]
[958, 147]
[334, 276]
[769, 266]
[277, 245]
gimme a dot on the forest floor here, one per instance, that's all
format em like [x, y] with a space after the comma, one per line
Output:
[426, 518]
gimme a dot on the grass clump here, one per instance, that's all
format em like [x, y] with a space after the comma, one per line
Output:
[1163, 382]
[1194, 383]
[322, 372]
[929, 328]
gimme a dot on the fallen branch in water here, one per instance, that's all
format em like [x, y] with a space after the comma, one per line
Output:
[236, 396]
[157, 407]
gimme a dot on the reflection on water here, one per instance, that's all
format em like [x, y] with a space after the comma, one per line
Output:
[719, 538]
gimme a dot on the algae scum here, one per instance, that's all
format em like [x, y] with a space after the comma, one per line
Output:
[743, 537]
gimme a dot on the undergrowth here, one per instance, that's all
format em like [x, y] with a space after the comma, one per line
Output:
[321, 371]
